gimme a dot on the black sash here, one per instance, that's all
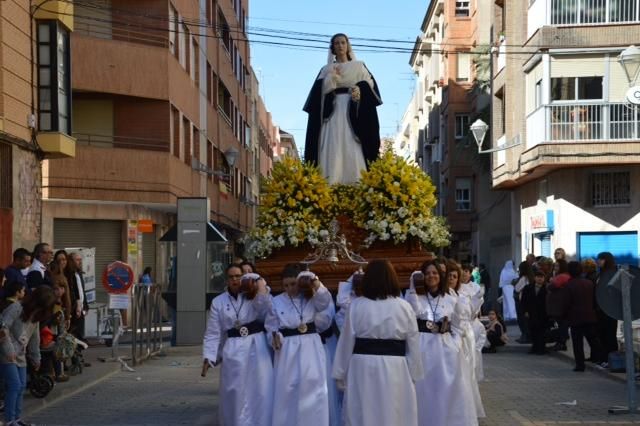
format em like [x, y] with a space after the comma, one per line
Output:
[326, 334]
[422, 327]
[252, 327]
[380, 347]
[341, 90]
[288, 332]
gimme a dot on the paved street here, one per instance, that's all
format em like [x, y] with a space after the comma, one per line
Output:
[520, 389]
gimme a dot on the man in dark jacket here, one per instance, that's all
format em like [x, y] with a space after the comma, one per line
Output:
[534, 306]
[581, 316]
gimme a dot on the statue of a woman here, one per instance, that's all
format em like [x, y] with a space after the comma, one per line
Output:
[343, 133]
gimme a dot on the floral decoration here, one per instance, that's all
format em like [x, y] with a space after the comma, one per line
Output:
[395, 202]
[295, 206]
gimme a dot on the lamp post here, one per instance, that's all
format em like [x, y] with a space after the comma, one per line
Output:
[629, 59]
[479, 130]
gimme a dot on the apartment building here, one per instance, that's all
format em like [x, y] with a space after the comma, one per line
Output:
[35, 77]
[451, 92]
[163, 107]
[559, 97]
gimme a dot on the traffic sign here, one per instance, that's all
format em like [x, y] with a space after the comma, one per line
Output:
[117, 277]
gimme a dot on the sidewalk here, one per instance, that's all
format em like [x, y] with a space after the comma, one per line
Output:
[90, 376]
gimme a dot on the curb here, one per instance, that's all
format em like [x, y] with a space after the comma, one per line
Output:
[618, 377]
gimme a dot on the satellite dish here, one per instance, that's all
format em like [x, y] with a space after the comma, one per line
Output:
[609, 297]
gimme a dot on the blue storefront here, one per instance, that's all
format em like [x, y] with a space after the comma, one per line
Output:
[623, 245]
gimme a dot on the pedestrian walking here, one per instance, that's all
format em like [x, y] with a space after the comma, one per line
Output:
[464, 316]
[507, 276]
[534, 306]
[557, 303]
[525, 278]
[607, 326]
[300, 371]
[475, 293]
[379, 358]
[235, 339]
[326, 326]
[581, 316]
[445, 395]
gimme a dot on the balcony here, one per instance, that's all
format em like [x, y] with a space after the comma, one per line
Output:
[584, 122]
[572, 135]
[581, 12]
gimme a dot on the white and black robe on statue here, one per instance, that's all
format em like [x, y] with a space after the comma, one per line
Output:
[246, 372]
[343, 135]
[300, 395]
[379, 388]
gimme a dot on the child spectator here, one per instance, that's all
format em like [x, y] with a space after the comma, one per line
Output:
[496, 333]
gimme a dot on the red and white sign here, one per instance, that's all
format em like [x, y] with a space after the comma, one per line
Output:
[539, 221]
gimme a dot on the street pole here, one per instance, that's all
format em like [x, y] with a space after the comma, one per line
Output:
[624, 278]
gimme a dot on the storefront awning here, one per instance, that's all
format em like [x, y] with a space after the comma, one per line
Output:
[213, 234]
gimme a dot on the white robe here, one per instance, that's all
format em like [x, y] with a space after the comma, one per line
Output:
[340, 154]
[246, 372]
[446, 397]
[476, 295]
[507, 275]
[343, 300]
[323, 321]
[379, 389]
[464, 318]
[300, 390]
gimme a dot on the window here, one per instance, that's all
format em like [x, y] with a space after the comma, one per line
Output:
[610, 189]
[538, 95]
[209, 82]
[463, 65]
[463, 194]
[462, 125]
[224, 101]
[576, 88]
[54, 79]
[186, 140]
[223, 31]
[175, 114]
[195, 63]
[462, 8]
[173, 26]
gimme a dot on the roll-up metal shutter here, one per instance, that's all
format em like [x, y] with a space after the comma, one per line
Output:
[546, 245]
[623, 245]
[103, 235]
[149, 252]
[577, 66]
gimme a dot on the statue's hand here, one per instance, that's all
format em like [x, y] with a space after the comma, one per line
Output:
[355, 94]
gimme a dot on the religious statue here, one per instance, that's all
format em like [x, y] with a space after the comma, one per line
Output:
[343, 132]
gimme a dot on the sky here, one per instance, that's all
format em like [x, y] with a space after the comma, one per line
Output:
[286, 74]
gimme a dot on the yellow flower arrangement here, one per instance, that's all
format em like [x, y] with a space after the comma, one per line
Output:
[395, 201]
[295, 205]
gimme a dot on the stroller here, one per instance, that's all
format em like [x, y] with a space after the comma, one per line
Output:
[40, 383]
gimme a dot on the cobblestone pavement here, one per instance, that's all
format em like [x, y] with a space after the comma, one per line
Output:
[163, 391]
[519, 389]
[523, 389]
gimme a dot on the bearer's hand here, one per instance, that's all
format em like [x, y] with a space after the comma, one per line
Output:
[355, 94]
[341, 385]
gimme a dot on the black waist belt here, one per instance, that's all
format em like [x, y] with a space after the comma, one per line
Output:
[437, 327]
[288, 332]
[341, 90]
[326, 334]
[244, 330]
[380, 347]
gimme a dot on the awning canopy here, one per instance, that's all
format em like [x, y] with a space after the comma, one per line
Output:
[213, 234]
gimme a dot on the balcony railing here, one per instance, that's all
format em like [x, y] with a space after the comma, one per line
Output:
[584, 122]
[587, 12]
[109, 141]
[581, 12]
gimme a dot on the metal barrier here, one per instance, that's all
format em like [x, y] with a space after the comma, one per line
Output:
[147, 311]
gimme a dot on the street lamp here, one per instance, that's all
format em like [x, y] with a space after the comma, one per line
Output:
[479, 130]
[230, 155]
[629, 59]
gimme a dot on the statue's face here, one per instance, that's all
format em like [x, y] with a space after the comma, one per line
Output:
[340, 46]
